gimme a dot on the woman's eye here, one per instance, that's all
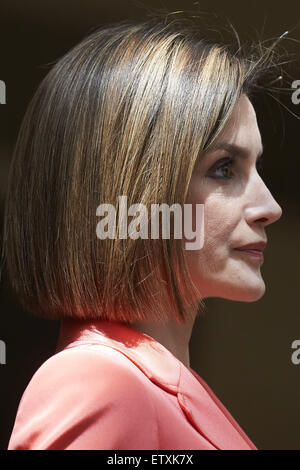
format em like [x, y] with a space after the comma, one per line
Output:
[222, 170]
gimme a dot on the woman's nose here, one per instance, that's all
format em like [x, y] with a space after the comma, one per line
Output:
[263, 208]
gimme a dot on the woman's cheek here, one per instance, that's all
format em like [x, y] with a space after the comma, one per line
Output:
[219, 222]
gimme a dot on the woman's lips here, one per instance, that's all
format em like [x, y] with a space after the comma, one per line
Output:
[256, 254]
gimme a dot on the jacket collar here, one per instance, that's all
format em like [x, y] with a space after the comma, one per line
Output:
[201, 406]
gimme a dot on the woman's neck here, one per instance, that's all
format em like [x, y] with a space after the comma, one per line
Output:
[171, 335]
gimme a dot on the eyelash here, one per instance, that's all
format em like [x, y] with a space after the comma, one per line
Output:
[229, 162]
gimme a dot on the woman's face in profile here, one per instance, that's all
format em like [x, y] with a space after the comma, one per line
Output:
[237, 208]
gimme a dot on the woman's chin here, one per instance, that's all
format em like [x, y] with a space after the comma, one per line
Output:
[241, 286]
[249, 293]
[242, 292]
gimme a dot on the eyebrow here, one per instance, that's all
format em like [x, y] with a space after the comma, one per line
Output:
[234, 149]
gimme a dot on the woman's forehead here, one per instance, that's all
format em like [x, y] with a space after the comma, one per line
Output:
[241, 130]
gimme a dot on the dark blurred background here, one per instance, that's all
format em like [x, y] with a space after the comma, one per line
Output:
[242, 350]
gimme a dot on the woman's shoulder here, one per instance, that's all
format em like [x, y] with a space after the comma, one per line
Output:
[85, 364]
[98, 370]
[80, 394]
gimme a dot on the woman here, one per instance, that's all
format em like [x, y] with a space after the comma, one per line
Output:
[159, 112]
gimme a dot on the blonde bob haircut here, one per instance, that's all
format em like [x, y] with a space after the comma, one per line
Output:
[127, 111]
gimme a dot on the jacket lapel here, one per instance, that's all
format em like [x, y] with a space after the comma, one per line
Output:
[208, 415]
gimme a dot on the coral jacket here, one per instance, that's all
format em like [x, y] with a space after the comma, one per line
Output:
[109, 386]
